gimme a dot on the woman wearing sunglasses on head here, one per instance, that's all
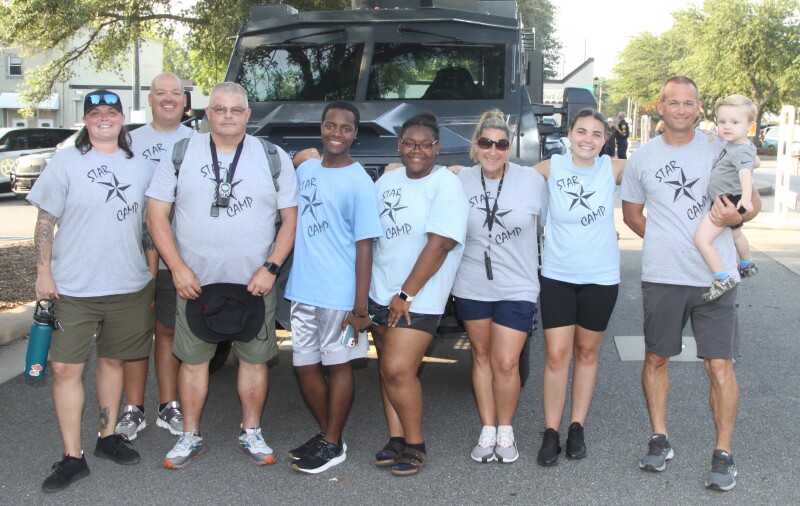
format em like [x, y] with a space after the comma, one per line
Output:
[497, 285]
[423, 213]
[579, 278]
[95, 272]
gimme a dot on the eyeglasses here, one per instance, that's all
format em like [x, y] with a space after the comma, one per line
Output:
[106, 98]
[424, 146]
[484, 143]
[222, 110]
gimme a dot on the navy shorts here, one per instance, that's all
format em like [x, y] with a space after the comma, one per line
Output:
[564, 304]
[514, 314]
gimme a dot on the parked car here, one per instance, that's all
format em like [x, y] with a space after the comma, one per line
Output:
[18, 141]
[769, 137]
[28, 168]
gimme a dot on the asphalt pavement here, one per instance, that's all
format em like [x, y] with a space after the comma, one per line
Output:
[617, 429]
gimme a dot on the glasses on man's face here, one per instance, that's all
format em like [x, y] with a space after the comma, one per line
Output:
[424, 146]
[221, 110]
[105, 98]
[484, 143]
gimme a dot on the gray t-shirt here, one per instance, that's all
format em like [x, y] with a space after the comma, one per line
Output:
[672, 182]
[514, 252]
[154, 145]
[99, 202]
[725, 174]
[228, 248]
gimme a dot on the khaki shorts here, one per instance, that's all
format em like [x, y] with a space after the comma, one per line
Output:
[193, 350]
[122, 326]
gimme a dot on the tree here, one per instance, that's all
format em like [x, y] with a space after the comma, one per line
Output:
[540, 15]
[748, 47]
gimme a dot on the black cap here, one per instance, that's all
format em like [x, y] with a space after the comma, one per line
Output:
[101, 97]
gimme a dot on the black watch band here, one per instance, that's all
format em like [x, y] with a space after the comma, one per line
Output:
[273, 268]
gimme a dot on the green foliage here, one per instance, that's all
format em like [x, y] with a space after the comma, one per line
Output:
[751, 47]
[176, 58]
[540, 15]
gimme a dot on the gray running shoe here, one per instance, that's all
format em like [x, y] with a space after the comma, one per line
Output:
[718, 288]
[131, 421]
[749, 271]
[505, 451]
[484, 450]
[252, 444]
[171, 418]
[723, 472]
[657, 455]
[189, 447]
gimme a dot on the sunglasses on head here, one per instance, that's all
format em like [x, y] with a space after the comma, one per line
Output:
[484, 143]
[106, 98]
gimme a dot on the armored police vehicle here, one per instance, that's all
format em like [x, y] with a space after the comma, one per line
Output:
[394, 59]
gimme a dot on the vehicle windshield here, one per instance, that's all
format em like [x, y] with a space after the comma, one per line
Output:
[409, 71]
[301, 72]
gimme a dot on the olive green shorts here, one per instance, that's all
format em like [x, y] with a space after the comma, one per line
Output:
[193, 350]
[122, 326]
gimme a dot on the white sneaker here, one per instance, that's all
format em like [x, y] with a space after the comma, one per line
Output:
[252, 444]
[505, 450]
[484, 450]
[189, 447]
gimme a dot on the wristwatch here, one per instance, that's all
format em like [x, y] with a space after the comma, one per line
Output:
[404, 296]
[273, 268]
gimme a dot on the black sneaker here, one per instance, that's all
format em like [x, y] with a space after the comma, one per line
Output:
[551, 447]
[659, 451]
[296, 453]
[576, 446]
[322, 456]
[66, 471]
[723, 472]
[114, 447]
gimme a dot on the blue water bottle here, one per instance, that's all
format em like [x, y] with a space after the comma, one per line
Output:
[44, 321]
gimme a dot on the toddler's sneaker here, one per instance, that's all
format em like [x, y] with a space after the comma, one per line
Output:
[748, 271]
[718, 288]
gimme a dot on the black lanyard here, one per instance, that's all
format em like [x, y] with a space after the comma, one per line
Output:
[222, 192]
[490, 214]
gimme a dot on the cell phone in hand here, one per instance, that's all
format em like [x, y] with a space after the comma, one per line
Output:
[348, 336]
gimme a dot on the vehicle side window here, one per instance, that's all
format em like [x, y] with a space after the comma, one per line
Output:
[41, 139]
[17, 141]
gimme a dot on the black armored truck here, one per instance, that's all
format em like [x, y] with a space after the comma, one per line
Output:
[394, 59]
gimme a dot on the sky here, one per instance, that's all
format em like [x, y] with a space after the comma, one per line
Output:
[602, 29]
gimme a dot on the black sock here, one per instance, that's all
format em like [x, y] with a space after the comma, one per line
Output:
[141, 408]
[162, 406]
[400, 440]
[419, 447]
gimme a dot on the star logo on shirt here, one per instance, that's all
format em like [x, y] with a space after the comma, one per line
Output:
[580, 197]
[683, 187]
[115, 189]
[310, 205]
[492, 218]
[391, 208]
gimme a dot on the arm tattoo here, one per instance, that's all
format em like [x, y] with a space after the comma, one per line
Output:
[43, 236]
[147, 239]
[104, 417]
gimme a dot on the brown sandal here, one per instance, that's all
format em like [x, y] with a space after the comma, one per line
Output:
[409, 463]
[389, 454]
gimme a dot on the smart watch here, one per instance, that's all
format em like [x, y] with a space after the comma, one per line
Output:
[273, 268]
[404, 296]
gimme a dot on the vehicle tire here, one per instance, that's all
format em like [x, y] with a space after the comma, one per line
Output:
[220, 357]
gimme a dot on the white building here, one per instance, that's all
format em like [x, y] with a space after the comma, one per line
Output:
[64, 108]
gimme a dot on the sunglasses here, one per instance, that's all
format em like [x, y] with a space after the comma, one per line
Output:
[484, 143]
[107, 98]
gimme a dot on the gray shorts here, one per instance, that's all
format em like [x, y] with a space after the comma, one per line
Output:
[166, 297]
[316, 337]
[121, 325]
[193, 350]
[667, 308]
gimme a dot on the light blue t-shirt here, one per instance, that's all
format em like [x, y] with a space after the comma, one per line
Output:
[336, 208]
[410, 209]
[580, 243]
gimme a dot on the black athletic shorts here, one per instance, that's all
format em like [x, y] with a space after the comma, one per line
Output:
[563, 304]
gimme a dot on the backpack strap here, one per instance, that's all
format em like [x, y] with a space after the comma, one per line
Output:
[178, 151]
[274, 160]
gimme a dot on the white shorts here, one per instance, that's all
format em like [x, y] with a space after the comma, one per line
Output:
[316, 337]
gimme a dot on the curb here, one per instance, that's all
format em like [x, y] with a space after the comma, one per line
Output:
[16, 323]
